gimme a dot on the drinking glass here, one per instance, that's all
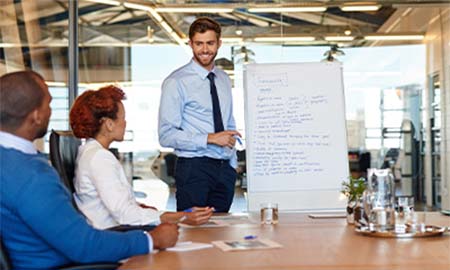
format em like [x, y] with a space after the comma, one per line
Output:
[405, 209]
[269, 213]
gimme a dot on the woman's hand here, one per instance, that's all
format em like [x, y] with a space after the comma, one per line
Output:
[198, 215]
[193, 216]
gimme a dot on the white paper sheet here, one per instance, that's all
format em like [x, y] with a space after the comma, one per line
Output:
[188, 246]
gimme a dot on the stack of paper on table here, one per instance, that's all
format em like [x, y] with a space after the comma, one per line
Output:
[232, 219]
[188, 246]
[238, 245]
[209, 224]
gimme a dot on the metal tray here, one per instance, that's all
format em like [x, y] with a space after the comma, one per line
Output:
[429, 231]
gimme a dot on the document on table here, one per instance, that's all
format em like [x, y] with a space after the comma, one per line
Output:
[328, 215]
[235, 216]
[238, 245]
[231, 219]
[209, 224]
[188, 246]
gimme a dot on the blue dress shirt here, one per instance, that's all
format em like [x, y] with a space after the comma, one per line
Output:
[186, 115]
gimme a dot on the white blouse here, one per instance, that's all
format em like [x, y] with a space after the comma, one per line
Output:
[102, 192]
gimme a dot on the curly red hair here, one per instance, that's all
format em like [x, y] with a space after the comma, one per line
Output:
[90, 107]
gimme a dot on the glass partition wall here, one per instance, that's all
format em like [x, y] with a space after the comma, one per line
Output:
[134, 45]
[34, 35]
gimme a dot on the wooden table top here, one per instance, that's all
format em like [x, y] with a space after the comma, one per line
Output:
[307, 244]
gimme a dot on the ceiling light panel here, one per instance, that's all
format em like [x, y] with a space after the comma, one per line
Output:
[283, 39]
[287, 9]
[339, 38]
[394, 37]
[360, 8]
[193, 10]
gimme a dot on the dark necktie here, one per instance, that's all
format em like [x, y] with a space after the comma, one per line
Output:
[218, 124]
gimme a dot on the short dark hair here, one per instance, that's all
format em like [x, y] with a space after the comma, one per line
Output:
[203, 24]
[91, 106]
[20, 93]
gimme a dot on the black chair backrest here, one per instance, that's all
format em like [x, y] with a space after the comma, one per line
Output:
[63, 154]
[4, 259]
[171, 160]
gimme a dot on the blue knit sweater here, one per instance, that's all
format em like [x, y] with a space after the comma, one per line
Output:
[39, 226]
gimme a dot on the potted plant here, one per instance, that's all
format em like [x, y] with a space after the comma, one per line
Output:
[353, 190]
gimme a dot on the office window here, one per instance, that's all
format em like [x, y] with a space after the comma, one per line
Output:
[120, 45]
[34, 35]
[380, 92]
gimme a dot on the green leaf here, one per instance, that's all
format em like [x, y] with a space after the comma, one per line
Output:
[353, 188]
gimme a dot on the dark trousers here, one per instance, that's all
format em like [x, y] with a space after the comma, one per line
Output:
[204, 181]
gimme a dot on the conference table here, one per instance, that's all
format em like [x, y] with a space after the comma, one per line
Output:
[307, 243]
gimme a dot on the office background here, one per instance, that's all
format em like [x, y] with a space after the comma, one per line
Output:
[396, 59]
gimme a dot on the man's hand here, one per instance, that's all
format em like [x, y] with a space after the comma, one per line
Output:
[198, 216]
[224, 138]
[164, 236]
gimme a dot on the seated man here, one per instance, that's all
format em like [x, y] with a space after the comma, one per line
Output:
[39, 226]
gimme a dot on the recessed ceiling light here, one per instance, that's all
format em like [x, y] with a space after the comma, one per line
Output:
[287, 9]
[394, 37]
[360, 7]
[107, 2]
[339, 38]
[283, 39]
[193, 10]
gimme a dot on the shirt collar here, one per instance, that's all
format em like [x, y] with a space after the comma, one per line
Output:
[94, 141]
[201, 71]
[9, 140]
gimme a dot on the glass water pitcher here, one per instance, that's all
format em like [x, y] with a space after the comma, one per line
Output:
[379, 199]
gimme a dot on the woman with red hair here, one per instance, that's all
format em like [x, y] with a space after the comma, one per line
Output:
[102, 191]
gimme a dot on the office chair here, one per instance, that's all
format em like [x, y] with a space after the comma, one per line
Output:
[4, 259]
[171, 160]
[63, 154]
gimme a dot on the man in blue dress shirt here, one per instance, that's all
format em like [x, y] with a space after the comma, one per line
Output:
[39, 226]
[196, 119]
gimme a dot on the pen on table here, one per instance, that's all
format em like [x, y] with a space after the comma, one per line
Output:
[250, 237]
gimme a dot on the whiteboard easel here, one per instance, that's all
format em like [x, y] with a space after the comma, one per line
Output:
[296, 135]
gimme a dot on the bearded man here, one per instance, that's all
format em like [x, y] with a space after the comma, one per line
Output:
[196, 119]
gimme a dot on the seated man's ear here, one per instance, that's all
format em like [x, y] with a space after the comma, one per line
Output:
[36, 117]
